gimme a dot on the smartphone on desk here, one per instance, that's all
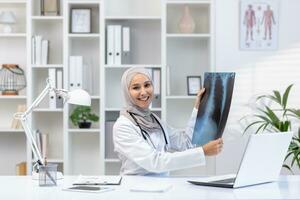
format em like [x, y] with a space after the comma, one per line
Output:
[84, 188]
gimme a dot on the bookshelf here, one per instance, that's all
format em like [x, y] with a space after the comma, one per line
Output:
[155, 43]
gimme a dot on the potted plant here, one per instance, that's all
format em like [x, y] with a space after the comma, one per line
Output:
[82, 117]
[278, 119]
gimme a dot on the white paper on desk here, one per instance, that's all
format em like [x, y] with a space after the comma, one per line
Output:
[98, 180]
[151, 187]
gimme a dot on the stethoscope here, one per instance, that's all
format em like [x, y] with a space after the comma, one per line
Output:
[145, 134]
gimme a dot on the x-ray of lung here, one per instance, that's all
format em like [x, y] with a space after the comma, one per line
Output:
[214, 107]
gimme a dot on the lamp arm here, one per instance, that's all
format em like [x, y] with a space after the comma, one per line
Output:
[38, 100]
[29, 134]
[23, 117]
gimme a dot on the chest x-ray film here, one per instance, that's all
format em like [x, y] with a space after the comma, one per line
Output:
[214, 107]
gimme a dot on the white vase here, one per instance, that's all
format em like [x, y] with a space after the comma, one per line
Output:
[186, 23]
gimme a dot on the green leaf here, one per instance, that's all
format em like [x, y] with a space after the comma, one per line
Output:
[286, 95]
[253, 123]
[260, 127]
[287, 167]
[277, 97]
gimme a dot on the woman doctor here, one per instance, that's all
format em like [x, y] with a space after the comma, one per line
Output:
[147, 146]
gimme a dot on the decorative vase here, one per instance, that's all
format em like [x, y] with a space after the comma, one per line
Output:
[84, 124]
[187, 23]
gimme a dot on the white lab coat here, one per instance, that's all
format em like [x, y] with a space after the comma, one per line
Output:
[139, 157]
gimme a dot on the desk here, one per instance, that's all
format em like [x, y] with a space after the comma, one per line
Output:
[24, 188]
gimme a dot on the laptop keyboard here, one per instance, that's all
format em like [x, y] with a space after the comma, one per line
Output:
[229, 180]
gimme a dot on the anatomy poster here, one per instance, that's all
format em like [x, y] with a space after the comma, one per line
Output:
[259, 24]
[214, 107]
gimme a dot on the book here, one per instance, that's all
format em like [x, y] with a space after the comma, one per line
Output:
[21, 169]
[44, 52]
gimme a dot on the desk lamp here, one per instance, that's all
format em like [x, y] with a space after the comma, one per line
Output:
[77, 97]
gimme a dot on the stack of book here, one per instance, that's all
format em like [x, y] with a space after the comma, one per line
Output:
[39, 51]
[41, 141]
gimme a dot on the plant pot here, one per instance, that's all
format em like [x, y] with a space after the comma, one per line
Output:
[84, 124]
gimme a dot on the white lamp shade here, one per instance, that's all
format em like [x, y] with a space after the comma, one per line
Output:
[7, 17]
[79, 97]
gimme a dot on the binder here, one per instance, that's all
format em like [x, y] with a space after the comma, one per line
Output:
[38, 49]
[72, 72]
[126, 45]
[168, 81]
[33, 50]
[157, 88]
[110, 46]
[118, 45]
[44, 52]
[88, 78]
[59, 85]
[79, 72]
[109, 145]
[52, 95]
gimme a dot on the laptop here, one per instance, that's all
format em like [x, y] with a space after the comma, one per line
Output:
[261, 162]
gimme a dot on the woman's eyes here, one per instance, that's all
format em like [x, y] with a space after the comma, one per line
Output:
[147, 85]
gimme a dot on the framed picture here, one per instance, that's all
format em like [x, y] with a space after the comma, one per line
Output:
[50, 7]
[259, 24]
[81, 20]
[194, 84]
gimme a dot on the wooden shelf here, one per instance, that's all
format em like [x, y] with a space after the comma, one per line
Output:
[47, 17]
[128, 66]
[90, 130]
[13, 2]
[55, 160]
[13, 35]
[48, 110]
[84, 35]
[84, 2]
[11, 130]
[112, 160]
[22, 97]
[48, 66]
[188, 2]
[183, 35]
[133, 17]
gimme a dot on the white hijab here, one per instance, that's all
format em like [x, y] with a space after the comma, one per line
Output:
[144, 116]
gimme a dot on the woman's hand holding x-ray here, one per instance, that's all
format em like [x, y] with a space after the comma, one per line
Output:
[198, 97]
[213, 147]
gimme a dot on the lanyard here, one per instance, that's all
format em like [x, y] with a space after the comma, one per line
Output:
[144, 133]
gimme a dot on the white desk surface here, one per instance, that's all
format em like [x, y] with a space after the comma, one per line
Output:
[24, 188]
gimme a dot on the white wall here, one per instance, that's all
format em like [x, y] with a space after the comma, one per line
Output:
[256, 71]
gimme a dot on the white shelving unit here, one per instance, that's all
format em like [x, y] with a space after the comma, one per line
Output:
[192, 51]
[155, 43]
[13, 146]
